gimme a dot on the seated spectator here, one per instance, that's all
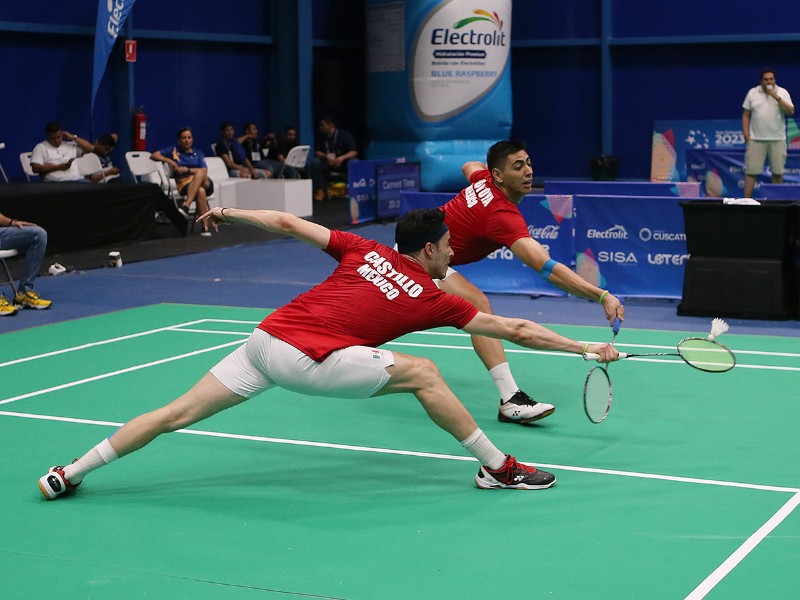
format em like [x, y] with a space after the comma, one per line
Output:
[31, 240]
[54, 160]
[286, 142]
[335, 148]
[262, 153]
[231, 151]
[103, 148]
[190, 171]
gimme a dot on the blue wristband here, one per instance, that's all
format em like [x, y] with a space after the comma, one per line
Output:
[547, 269]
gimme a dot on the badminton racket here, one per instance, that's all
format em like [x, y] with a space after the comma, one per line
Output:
[597, 390]
[705, 354]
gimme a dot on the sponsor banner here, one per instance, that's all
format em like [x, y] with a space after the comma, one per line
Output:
[671, 140]
[549, 221]
[623, 188]
[631, 246]
[442, 95]
[111, 15]
[721, 172]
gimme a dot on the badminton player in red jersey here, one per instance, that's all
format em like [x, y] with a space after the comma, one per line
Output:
[324, 343]
[485, 217]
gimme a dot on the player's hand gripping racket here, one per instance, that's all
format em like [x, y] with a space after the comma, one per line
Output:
[597, 391]
[705, 354]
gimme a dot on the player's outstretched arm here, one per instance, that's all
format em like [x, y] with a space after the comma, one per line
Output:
[469, 168]
[532, 335]
[271, 220]
[533, 254]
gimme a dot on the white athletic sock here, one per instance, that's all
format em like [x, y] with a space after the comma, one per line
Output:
[483, 449]
[504, 381]
[102, 454]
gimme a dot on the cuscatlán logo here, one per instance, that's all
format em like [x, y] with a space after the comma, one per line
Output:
[646, 234]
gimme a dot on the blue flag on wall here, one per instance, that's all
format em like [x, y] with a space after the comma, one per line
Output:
[111, 15]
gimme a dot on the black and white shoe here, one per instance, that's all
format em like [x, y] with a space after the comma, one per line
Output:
[55, 484]
[521, 408]
[514, 475]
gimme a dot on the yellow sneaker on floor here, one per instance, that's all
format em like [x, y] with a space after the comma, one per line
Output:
[30, 299]
[6, 308]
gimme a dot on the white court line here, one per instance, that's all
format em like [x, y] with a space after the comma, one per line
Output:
[742, 551]
[272, 440]
[119, 372]
[100, 343]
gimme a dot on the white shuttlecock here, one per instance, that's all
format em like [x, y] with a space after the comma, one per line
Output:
[718, 327]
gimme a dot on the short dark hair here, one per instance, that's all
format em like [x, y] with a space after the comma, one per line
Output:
[246, 126]
[225, 124]
[107, 140]
[418, 227]
[52, 127]
[498, 153]
[182, 129]
[328, 119]
[765, 71]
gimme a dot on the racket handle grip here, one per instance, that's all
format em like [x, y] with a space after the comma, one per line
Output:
[615, 324]
[595, 356]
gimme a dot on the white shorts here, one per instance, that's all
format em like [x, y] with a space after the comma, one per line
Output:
[450, 271]
[265, 361]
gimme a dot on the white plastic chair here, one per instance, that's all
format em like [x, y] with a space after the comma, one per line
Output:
[89, 164]
[4, 254]
[25, 161]
[2, 170]
[296, 158]
[142, 168]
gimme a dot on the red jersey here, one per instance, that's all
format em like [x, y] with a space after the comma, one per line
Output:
[482, 219]
[373, 296]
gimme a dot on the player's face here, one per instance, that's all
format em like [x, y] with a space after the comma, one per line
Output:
[442, 256]
[516, 176]
[768, 79]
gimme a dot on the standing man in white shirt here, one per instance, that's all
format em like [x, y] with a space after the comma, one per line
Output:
[54, 160]
[766, 107]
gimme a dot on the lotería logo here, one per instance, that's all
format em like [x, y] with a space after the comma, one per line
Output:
[665, 260]
[615, 232]
[646, 234]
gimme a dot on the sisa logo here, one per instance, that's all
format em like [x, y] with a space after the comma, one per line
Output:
[548, 232]
[667, 259]
[616, 232]
[646, 234]
[619, 257]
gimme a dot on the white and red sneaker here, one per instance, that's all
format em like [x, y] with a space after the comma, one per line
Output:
[55, 484]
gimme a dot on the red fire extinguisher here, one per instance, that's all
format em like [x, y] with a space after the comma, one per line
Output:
[139, 130]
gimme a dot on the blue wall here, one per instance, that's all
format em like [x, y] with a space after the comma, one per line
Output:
[588, 76]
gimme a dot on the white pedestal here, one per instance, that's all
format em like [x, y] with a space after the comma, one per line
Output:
[289, 195]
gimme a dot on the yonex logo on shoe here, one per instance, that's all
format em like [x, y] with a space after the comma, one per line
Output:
[54, 483]
[519, 478]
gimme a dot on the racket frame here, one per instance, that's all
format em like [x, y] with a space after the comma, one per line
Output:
[610, 394]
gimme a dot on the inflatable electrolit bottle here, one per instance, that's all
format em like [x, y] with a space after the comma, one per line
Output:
[438, 83]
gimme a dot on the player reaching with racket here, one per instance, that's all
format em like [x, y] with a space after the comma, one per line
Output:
[485, 217]
[324, 343]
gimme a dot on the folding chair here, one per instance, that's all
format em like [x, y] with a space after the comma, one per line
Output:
[89, 164]
[4, 254]
[25, 161]
[2, 170]
[296, 158]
